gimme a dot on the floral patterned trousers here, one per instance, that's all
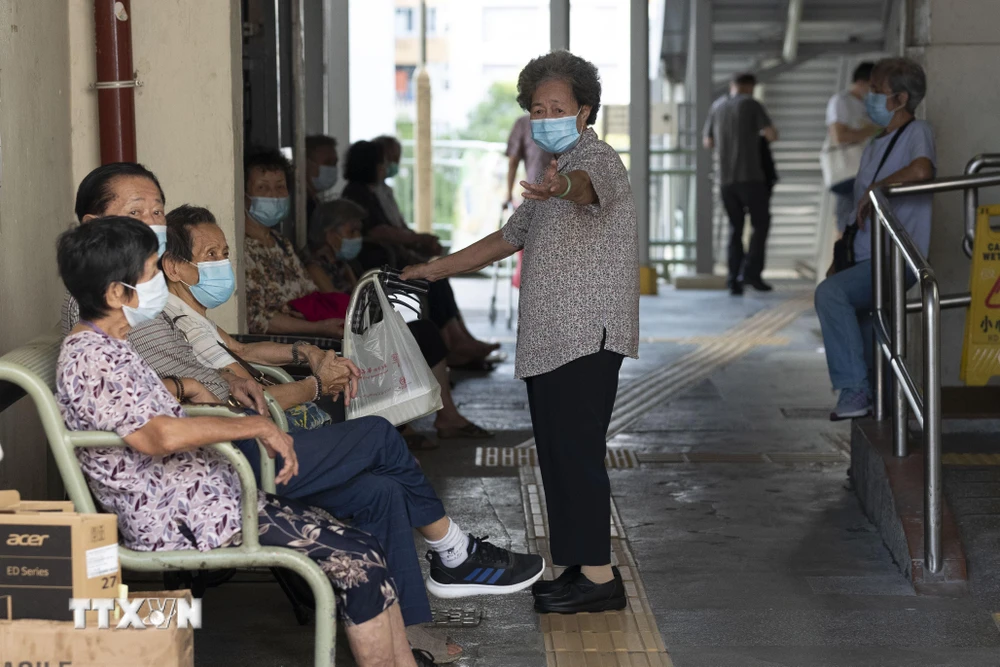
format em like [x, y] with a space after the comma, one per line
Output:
[353, 560]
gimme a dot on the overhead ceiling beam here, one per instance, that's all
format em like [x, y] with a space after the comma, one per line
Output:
[810, 13]
[790, 48]
[775, 48]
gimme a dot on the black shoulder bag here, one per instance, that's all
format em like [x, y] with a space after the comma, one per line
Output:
[843, 249]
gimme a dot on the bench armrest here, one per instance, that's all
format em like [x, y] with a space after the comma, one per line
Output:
[277, 374]
[267, 471]
[248, 486]
[288, 339]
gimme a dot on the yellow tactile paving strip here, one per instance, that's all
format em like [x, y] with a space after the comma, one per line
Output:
[626, 638]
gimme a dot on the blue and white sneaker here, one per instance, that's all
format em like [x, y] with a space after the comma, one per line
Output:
[853, 403]
[489, 570]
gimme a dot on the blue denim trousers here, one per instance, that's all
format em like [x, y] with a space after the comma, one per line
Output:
[360, 471]
[843, 305]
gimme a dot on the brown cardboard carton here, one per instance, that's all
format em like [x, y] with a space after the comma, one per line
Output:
[49, 554]
[60, 644]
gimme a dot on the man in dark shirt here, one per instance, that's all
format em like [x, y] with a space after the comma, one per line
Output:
[735, 126]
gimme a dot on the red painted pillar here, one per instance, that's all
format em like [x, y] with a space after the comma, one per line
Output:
[115, 92]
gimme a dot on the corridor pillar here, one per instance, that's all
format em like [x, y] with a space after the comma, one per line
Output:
[638, 123]
[700, 94]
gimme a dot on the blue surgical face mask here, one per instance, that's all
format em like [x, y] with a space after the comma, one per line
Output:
[349, 248]
[152, 298]
[269, 211]
[391, 170]
[161, 236]
[875, 106]
[555, 135]
[216, 283]
[326, 179]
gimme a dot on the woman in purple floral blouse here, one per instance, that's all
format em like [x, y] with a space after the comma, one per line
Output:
[168, 489]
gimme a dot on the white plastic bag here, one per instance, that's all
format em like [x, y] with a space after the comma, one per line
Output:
[840, 163]
[396, 382]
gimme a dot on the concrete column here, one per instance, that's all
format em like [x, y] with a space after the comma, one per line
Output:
[424, 181]
[639, 135]
[299, 123]
[315, 33]
[337, 53]
[958, 46]
[558, 24]
[700, 94]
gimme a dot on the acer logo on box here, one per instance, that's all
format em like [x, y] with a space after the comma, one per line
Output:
[26, 540]
[158, 613]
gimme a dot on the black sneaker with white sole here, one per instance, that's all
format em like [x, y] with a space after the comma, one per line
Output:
[489, 570]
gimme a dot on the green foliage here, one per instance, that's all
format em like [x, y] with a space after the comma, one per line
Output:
[492, 118]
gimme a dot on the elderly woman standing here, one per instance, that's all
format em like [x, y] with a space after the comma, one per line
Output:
[903, 152]
[579, 318]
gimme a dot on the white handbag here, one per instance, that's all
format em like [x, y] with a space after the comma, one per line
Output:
[396, 382]
[840, 163]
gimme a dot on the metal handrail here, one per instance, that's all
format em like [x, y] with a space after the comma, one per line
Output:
[890, 342]
[890, 329]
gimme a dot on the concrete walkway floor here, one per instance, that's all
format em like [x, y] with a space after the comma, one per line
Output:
[743, 543]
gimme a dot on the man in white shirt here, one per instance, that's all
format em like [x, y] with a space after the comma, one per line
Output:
[848, 123]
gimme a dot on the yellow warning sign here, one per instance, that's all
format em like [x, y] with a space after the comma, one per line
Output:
[981, 352]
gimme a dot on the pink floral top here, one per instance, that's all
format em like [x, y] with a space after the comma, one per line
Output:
[163, 502]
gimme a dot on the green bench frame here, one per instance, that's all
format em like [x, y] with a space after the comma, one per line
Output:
[32, 367]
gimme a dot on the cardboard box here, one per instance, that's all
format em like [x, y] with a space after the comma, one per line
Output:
[49, 554]
[60, 644]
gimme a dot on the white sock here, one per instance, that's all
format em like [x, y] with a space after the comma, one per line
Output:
[453, 548]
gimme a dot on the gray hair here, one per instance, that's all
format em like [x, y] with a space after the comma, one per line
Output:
[580, 74]
[903, 75]
[332, 215]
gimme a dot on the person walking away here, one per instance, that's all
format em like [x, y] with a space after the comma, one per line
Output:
[848, 124]
[734, 128]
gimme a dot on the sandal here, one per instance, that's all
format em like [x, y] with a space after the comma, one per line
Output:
[416, 442]
[476, 366]
[423, 640]
[468, 432]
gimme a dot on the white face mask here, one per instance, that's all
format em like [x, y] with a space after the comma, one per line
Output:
[152, 299]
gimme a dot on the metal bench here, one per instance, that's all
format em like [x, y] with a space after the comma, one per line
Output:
[32, 368]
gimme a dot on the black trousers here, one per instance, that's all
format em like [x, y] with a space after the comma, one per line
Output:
[441, 304]
[740, 199]
[570, 413]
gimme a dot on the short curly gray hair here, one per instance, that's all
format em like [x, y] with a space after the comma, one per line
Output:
[903, 75]
[580, 74]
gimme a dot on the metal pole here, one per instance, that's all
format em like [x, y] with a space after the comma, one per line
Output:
[878, 301]
[790, 51]
[933, 561]
[558, 24]
[700, 93]
[639, 136]
[115, 80]
[423, 191]
[900, 408]
[299, 124]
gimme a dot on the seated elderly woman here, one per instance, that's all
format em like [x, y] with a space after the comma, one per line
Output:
[903, 152]
[334, 239]
[366, 170]
[200, 277]
[168, 490]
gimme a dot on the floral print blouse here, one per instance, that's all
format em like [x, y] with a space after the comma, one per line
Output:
[180, 501]
[274, 276]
